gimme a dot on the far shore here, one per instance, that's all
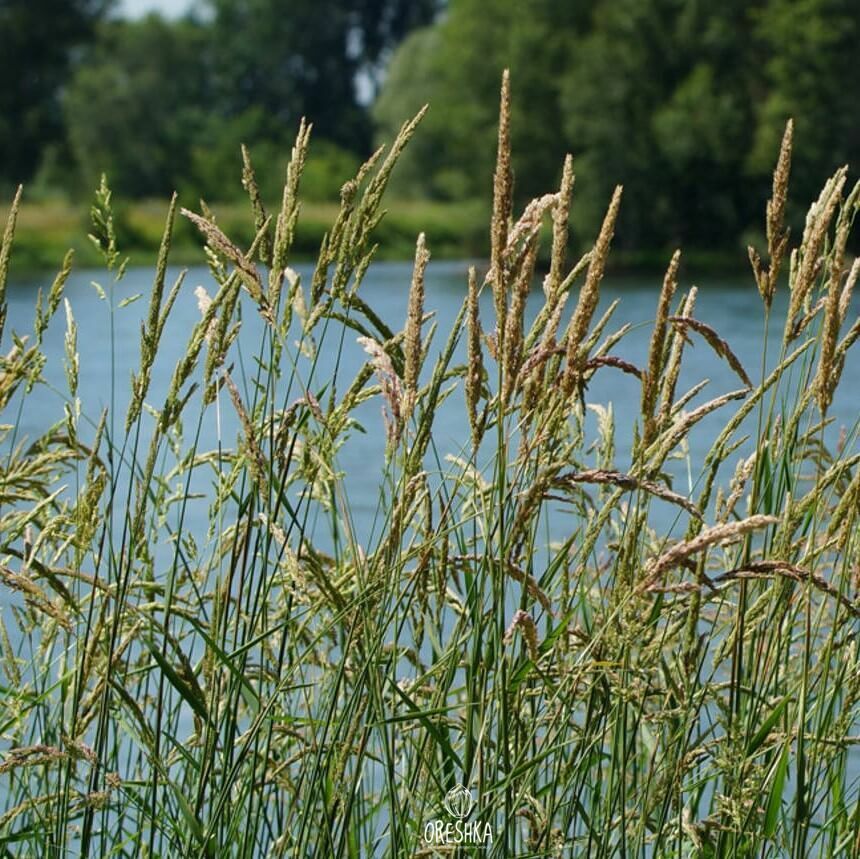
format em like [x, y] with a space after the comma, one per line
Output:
[47, 230]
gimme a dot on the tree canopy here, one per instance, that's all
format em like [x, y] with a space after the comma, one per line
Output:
[37, 45]
[683, 102]
[158, 103]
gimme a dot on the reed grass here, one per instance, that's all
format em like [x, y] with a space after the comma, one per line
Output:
[284, 686]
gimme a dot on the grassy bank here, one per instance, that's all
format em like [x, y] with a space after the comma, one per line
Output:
[454, 231]
[47, 229]
[515, 644]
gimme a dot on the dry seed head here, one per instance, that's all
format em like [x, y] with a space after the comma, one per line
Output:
[391, 386]
[31, 756]
[532, 373]
[724, 533]
[598, 361]
[720, 346]
[531, 585]
[630, 483]
[526, 228]
[590, 293]
[560, 218]
[537, 358]
[768, 569]
[828, 376]
[502, 204]
[759, 272]
[475, 363]
[523, 621]
[809, 262]
[848, 290]
[415, 314]
[738, 484]
[78, 749]
[514, 324]
[777, 234]
[673, 367]
[246, 269]
[650, 384]
[779, 196]
[809, 315]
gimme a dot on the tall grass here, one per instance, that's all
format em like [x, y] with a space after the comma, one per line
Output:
[285, 686]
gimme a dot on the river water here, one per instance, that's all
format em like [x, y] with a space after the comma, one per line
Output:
[109, 353]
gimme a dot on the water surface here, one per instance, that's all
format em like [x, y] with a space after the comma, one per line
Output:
[109, 352]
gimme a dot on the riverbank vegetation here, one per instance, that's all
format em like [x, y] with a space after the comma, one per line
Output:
[46, 230]
[682, 102]
[519, 620]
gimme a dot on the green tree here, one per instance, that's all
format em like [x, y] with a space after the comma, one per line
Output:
[37, 44]
[682, 101]
[408, 86]
[381, 25]
[304, 60]
[812, 75]
[138, 105]
[659, 96]
[456, 67]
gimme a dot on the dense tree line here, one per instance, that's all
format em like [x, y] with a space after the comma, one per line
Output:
[37, 45]
[164, 104]
[682, 101]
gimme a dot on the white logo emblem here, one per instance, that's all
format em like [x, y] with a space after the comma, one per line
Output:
[458, 802]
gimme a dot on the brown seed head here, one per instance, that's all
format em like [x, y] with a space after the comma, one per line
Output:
[475, 368]
[415, 314]
[502, 204]
[590, 293]
[650, 384]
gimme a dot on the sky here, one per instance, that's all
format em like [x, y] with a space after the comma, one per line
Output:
[136, 8]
